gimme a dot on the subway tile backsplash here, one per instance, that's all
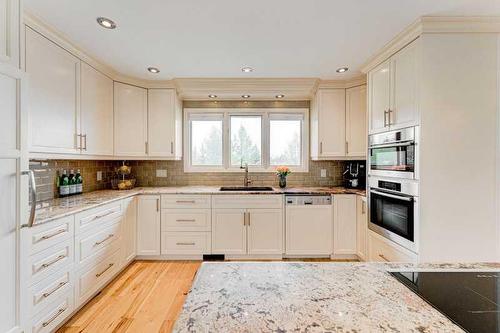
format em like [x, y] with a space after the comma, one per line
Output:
[146, 175]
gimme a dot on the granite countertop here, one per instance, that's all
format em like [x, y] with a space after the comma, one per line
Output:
[310, 297]
[57, 208]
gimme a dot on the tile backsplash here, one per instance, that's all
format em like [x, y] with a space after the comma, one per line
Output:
[146, 174]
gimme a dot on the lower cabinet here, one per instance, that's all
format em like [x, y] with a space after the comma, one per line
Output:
[229, 231]
[362, 227]
[384, 250]
[148, 225]
[344, 224]
[129, 227]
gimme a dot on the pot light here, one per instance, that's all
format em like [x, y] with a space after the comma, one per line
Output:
[280, 96]
[153, 70]
[106, 23]
[212, 96]
[342, 69]
[245, 96]
[247, 69]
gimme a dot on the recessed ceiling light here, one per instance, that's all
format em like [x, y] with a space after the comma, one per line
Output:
[106, 23]
[153, 70]
[280, 96]
[247, 69]
[342, 69]
[212, 96]
[245, 96]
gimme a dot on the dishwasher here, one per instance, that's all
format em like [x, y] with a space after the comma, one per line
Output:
[308, 225]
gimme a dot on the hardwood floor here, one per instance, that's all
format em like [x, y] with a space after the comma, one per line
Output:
[146, 297]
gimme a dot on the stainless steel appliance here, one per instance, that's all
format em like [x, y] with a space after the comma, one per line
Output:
[393, 154]
[393, 210]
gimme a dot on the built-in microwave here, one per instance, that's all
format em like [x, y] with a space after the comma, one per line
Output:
[393, 210]
[393, 154]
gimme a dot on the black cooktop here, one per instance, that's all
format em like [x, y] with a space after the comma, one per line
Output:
[470, 299]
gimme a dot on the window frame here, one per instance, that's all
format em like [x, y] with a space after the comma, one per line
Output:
[267, 114]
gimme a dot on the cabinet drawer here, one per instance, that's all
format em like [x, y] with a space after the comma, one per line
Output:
[46, 235]
[247, 201]
[92, 243]
[51, 260]
[185, 220]
[186, 243]
[50, 289]
[86, 220]
[91, 280]
[185, 201]
[386, 251]
[53, 315]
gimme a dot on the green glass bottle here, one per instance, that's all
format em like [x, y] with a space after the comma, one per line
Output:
[79, 182]
[63, 184]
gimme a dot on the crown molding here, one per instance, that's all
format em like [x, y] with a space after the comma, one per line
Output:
[342, 84]
[432, 25]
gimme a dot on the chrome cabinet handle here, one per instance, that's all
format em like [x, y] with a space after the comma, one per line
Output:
[104, 271]
[104, 240]
[171, 147]
[58, 232]
[102, 215]
[346, 147]
[157, 205]
[182, 243]
[383, 257]
[385, 118]
[363, 207]
[186, 220]
[31, 220]
[50, 263]
[186, 201]
[47, 323]
[389, 112]
[249, 218]
[85, 141]
[59, 286]
[321, 147]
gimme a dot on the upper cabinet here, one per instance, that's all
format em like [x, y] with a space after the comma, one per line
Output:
[130, 120]
[164, 124]
[393, 91]
[96, 112]
[9, 32]
[54, 79]
[338, 127]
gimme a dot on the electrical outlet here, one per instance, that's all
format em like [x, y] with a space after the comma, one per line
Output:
[323, 173]
[99, 176]
[161, 173]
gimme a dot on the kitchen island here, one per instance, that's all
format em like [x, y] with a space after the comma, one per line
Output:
[310, 297]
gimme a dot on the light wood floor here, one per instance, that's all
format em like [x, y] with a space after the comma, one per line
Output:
[146, 297]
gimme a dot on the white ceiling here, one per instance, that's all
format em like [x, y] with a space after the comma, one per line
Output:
[278, 38]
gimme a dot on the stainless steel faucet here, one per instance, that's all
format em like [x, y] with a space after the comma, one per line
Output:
[246, 181]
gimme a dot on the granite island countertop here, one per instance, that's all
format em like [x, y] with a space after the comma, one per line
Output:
[310, 297]
[53, 209]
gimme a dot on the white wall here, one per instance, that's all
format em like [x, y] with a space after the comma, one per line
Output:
[459, 148]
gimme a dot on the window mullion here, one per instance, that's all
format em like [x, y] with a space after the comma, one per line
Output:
[226, 133]
[265, 141]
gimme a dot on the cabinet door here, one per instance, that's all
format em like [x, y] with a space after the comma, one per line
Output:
[129, 228]
[96, 112]
[344, 224]
[356, 135]
[54, 76]
[331, 107]
[161, 122]
[404, 110]
[130, 120]
[9, 32]
[229, 234]
[148, 225]
[379, 97]
[265, 231]
[362, 227]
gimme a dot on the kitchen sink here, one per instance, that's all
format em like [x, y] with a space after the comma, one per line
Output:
[246, 188]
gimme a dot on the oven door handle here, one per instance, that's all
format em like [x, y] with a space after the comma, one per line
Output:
[391, 196]
[395, 144]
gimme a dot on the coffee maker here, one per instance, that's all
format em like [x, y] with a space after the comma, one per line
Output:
[355, 174]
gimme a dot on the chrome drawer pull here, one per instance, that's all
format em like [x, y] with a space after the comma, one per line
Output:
[186, 220]
[47, 323]
[59, 286]
[103, 215]
[185, 243]
[105, 239]
[383, 257]
[61, 257]
[186, 201]
[104, 271]
[58, 232]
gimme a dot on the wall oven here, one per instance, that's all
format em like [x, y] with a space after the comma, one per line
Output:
[393, 210]
[393, 154]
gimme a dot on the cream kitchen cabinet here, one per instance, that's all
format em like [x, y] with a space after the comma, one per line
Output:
[130, 120]
[356, 134]
[148, 225]
[10, 11]
[96, 112]
[344, 224]
[129, 228]
[384, 250]
[362, 227]
[229, 231]
[54, 98]
[393, 91]
[164, 124]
